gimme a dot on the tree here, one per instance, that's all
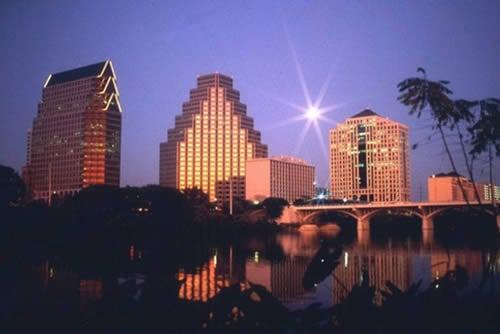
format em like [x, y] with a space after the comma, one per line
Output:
[95, 204]
[167, 205]
[485, 134]
[274, 207]
[12, 188]
[421, 94]
[200, 203]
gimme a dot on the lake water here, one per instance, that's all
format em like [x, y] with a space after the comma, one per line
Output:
[279, 263]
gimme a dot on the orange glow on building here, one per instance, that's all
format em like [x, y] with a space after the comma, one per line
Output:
[444, 187]
[75, 139]
[283, 177]
[369, 159]
[211, 141]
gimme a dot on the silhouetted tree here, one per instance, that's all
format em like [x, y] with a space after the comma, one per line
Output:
[485, 133]
[486, 130]
[422, 94]
[274, 207]
[12, 187]
[199, 202]
[167, 204]
[98, 203]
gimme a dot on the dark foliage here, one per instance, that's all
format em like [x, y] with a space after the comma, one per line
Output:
[486, 130]
[12, 187]
[421, 93]
[274, 206]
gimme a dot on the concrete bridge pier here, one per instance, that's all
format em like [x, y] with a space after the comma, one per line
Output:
[427, 237]
[427, 223]
[363, 231]
[363, 224]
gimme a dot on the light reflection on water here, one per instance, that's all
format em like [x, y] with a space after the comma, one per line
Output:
[278, 265]
[403, 262]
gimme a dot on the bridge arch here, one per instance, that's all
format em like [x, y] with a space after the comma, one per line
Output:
[433, 214]
[375, 212]
[309, 217]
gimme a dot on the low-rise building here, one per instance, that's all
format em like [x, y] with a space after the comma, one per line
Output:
[445, 187]
[285, 177]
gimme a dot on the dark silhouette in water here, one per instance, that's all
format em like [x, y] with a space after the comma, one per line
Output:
[322, 264]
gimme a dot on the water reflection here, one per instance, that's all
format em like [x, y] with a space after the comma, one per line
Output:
[402, 261]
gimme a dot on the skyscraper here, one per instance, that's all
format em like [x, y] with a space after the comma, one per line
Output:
[369, 159]
[211, 141]
[75, 139]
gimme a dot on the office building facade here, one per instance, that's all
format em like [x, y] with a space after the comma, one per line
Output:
[76, 135]
[211, 141]
[284, 177]
[369, 159]
[445, 187]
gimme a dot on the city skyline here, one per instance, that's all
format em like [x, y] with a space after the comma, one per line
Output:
[154, 79]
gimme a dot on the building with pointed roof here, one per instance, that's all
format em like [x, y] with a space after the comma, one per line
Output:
[211, 141]
[76, 134]
[369, 159]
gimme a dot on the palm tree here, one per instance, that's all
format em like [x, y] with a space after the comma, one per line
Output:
[485, 133]
[421, 94]
[462, 113]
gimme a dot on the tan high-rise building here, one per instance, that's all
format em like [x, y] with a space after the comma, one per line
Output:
[284, 177]
[75, 139]
[211, 141]
[369, 159]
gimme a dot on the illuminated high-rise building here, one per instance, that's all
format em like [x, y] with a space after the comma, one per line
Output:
[75, 138]
[211, 141]
[369, 159]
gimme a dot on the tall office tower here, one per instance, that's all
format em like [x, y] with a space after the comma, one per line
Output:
[285, 177]
[75, 138]
[211, 141]
[369, 159]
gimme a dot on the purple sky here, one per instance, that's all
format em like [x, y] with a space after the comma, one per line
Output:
[158, 48]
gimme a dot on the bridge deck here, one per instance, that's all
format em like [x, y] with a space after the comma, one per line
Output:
[409, 205]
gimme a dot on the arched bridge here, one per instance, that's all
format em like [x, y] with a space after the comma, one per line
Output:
[364, 212]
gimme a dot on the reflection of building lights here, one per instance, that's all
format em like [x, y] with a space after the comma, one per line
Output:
[437, 286]
[346, 259]
[51, 273]
[256, 257]
[131, 252]
[322, 260]
[215, 260]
